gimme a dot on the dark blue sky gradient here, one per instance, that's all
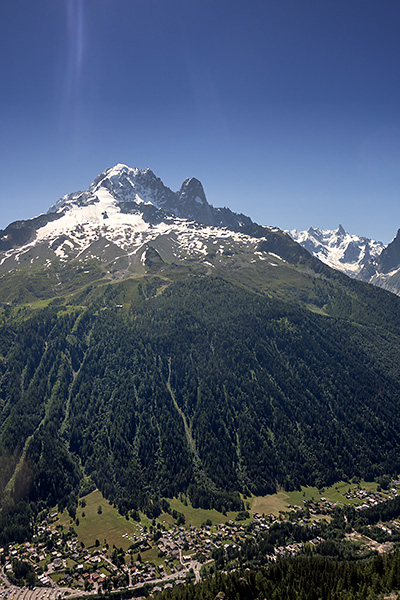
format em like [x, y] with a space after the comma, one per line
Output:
[287, 111]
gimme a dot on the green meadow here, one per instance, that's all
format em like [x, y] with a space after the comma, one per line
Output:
[107, 526]
[102, 522]
[276, 503]
[196, 516]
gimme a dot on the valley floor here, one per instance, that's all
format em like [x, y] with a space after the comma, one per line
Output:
[67, 558]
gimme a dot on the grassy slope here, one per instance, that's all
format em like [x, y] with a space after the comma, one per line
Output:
[198, 516]
[109, 525]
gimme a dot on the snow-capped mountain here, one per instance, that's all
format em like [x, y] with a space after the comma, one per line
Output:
[139, 190]
[125, 215]
[339, 249]
[130, 221]
[357, 256]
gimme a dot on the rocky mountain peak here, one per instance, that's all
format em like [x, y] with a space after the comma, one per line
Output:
[389, 259]
[191, 203]
[192, 188]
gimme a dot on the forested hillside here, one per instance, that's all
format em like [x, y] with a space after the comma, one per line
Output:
[154, 386]
[305, 578]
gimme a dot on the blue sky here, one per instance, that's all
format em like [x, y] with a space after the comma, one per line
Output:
[286, 110]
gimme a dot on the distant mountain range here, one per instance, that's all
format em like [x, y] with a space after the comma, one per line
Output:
[152, 344]
[357, 256]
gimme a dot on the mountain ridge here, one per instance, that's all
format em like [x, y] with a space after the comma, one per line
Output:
[132, 209]
[108, 231]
